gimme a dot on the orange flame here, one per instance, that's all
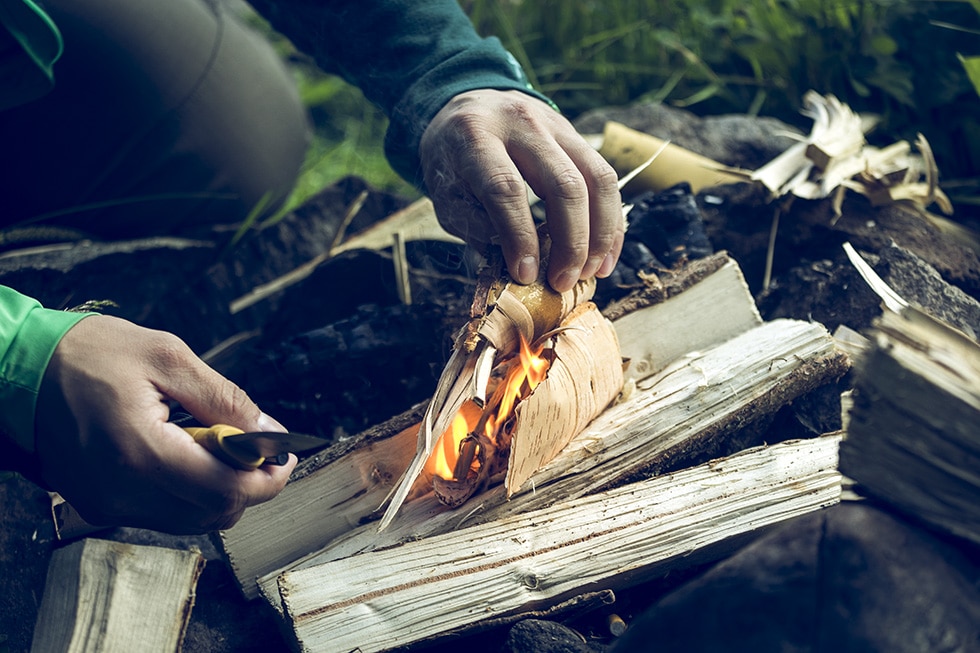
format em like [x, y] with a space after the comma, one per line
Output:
[522, 377]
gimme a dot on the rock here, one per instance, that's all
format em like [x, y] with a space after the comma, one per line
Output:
[849, 578]
[735, 140]
[540, 636]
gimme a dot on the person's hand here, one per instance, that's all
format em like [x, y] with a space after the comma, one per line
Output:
[104, 442]
[476, 155]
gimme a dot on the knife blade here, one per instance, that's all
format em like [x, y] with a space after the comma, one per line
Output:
[248, 450]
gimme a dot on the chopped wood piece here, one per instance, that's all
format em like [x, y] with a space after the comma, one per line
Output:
[327, 496]
[717, 308]
[109, 596]
[912, 426]
[393, 598]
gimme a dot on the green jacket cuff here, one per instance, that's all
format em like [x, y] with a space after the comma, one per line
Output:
[29, 335]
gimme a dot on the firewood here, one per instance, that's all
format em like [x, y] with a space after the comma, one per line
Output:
[688, 408]
[912, 424]
[346, 483]
[388, 599]
[103, 596]
[713, 289]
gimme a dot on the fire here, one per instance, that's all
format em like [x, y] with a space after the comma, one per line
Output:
[522, 375]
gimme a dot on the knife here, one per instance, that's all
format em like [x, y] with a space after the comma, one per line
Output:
[237, 448]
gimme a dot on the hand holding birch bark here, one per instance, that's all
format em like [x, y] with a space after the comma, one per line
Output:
[476, 155]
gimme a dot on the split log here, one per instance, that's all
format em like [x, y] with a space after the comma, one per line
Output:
[332, 492]
[103, 596]
[912, 426]
[393, 598]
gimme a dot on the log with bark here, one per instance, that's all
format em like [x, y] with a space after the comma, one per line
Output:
[912, 424]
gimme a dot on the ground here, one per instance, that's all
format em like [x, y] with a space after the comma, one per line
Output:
[336, 353]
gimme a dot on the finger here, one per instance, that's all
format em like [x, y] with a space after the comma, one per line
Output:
[609, 262]
[557, 180]
[499, 188]
[583, 206]
[193, 474]
[212, 399]
[605, 210]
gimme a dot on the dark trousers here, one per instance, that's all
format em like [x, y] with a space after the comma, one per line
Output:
[166, 114]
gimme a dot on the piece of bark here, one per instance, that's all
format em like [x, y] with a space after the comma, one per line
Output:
[626, 149]
[504, 314]
[911, 428]
[392, 598]
[103, 596]
[586, 375]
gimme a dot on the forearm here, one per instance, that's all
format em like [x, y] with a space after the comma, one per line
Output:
[408, 56]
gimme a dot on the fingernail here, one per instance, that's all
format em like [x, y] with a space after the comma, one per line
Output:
[267, 423]
[527, 270]
[607, 267]
[567, 279]
[591, 266]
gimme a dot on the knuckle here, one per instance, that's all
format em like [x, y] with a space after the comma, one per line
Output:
[570, 185]
[466, 128]
[169, 351]
[605, 177]
[226, 398]
[504, 187]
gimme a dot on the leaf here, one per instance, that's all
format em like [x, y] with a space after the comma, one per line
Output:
[972, 67]
[884, 45]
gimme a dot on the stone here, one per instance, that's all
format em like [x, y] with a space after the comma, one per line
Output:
[850, 578]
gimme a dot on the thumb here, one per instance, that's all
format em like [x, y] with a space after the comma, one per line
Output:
[211, 398]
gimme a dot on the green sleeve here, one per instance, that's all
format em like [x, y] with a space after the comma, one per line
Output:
[29, 46]
[28, 337]
[410, 57]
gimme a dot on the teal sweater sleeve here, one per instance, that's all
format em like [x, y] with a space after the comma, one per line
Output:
[28, 337]
[410, 57]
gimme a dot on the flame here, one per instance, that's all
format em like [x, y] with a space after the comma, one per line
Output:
[523, 374]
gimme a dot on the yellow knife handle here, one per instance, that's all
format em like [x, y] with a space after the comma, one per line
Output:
[212, 438]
